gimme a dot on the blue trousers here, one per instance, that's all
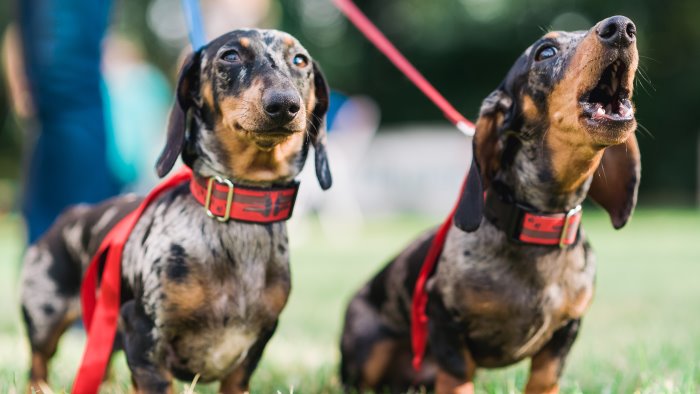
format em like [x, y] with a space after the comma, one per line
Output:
[62, 52]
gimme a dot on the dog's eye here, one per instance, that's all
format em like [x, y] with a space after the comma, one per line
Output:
[545, 52]
[300, 61]
[231, 56]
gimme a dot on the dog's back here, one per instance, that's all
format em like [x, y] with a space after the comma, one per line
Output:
[376, 334]
[53, 269]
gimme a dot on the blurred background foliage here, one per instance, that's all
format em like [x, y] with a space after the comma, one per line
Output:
[464, 47]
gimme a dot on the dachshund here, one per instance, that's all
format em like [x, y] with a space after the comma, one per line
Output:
[516, 273]
[201, 295]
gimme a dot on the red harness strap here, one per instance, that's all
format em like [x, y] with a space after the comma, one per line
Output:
[419, 319]
[101, 306]
[222, 200]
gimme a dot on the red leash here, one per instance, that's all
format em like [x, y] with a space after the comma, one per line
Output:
[366, 27]
[419, 319]
[101, 311]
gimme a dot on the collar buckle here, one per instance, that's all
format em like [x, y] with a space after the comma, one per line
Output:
[229, 198]
[567, 223]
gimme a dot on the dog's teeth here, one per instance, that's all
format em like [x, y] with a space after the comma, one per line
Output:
[625, 111]
[600, 111]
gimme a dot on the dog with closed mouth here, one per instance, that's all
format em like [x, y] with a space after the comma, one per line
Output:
[516, 273]
[202, 286]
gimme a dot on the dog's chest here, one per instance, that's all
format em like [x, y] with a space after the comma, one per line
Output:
[210, 288]
[512, 298]
[213, 340]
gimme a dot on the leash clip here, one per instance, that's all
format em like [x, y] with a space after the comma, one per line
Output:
[466, 129]
[229, 198]
[565, 227]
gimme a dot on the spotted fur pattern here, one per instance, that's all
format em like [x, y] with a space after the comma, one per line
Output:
[198, 296]
[493, 302]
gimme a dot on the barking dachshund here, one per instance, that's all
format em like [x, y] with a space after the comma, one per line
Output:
[514, 282]
[199, 295]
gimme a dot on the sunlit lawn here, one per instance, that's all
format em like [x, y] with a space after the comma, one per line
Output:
[641, 335]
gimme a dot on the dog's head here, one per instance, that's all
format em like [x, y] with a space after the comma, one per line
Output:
[571, 92]
[256, 100]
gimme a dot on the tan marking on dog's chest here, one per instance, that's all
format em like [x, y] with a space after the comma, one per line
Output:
[182, 300]
[275, 298]
[215, 326]
[577, 303]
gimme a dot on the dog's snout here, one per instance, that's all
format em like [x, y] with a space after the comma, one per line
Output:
[281, 105]
[617, 31]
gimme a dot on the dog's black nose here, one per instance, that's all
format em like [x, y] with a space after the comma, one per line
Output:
[281, 105]
[617, 31]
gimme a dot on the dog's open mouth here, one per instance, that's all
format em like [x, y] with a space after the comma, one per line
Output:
[609, 99]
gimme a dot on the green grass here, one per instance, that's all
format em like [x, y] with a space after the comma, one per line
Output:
[642, 334]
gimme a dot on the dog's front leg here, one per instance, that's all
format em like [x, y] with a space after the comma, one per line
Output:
[547, 364]
[146, 376]
[237, 382]
[456, 368]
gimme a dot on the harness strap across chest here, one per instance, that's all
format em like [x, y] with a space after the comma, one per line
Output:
[521, 225]
[221, 200]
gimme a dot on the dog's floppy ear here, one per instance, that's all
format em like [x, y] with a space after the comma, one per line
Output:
[470, 207]
[177, 123]
[494, 116]
[616, 181]
[317, 128]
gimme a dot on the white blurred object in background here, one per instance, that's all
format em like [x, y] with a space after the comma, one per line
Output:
[338, 208]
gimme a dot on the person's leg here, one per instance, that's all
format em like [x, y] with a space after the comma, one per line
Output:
[62, 50]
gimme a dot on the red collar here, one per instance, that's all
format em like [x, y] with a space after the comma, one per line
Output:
[527, 226]
[224, 200]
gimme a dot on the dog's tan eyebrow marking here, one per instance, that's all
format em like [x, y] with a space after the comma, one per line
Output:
[529, 107]
[245, 42]
[552, 34]
[288, 40]
[207, 94]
